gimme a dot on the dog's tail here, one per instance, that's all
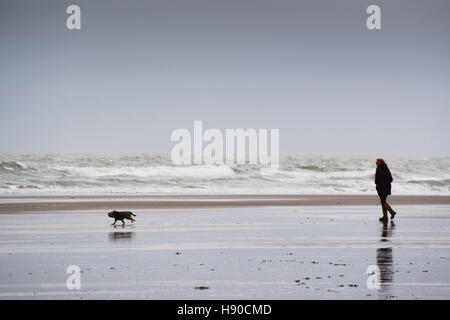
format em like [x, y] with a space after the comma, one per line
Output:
[133, 214]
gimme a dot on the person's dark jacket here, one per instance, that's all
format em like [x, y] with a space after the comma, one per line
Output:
[383, 179]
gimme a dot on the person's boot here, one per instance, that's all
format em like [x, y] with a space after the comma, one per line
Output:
[391, 211]
[384, 218]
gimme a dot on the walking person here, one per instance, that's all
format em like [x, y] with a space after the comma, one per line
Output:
[383, 179]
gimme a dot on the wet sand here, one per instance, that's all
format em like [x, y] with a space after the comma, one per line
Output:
[45, 204]
[227, 252]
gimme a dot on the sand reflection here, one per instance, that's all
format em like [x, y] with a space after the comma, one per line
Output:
[385, 257]
[121, 236]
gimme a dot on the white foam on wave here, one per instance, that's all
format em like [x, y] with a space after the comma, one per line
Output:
[156, 171]
[155, 174]
[308, 174]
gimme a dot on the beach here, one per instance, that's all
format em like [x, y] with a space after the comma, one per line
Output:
[224, 247]
[250, 144]
[47, 204]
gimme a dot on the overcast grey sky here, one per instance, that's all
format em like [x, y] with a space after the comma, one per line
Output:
[137, 70]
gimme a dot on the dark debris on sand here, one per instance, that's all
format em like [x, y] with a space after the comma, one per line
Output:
[201, 288]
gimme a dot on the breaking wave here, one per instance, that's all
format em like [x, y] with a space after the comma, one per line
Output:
[149, 173]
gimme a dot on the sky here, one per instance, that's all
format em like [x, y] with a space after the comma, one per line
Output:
[137, 70]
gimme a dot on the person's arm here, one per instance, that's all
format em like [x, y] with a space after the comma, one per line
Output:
[390, 175]
[377, 176]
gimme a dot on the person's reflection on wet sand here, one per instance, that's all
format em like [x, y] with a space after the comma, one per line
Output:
[384, 257]
[121, 236]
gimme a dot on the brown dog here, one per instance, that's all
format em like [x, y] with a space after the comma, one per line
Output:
[120, 215]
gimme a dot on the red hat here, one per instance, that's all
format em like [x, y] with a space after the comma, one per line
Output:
[380, 161]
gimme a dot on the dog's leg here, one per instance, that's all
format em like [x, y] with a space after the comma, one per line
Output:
[114, 222]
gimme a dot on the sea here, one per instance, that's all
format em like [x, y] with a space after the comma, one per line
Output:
[154, 174]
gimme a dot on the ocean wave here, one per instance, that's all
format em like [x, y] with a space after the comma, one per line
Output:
[311, 167]
[12, 166]
[156, 171]
[331, 175]
[142, 173]
[431, 182]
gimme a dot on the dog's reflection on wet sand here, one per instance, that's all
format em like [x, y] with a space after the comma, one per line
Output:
[121, 236]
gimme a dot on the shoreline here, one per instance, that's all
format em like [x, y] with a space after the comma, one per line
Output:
[66, 203]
